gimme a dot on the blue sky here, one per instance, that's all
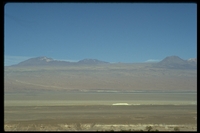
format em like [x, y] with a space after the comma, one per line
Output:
[113, 32]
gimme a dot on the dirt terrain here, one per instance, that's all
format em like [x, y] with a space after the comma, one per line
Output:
[99, 111]
[101, 118]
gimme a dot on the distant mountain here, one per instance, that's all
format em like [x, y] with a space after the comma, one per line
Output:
[41, 61]
[46, 61]
[91, 61]
[175, 62]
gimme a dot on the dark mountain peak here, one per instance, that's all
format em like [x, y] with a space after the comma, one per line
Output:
[175, 62]
[172, 59]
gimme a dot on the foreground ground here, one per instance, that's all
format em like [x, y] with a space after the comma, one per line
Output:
[100, 118]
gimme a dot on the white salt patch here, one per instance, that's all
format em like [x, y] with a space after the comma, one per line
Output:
[120, 104]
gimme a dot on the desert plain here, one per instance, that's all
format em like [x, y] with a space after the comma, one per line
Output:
[100, 98]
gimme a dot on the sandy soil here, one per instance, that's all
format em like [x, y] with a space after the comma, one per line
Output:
[100, 118]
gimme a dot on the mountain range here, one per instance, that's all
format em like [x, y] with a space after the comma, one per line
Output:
[46, 61]
[170, 62]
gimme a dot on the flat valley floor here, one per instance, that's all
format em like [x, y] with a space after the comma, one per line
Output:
[61, 111]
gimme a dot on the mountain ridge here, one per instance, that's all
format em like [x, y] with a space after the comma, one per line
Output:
[169, 62]
[45, 61]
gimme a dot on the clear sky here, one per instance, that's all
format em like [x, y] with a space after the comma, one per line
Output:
[112, 32]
